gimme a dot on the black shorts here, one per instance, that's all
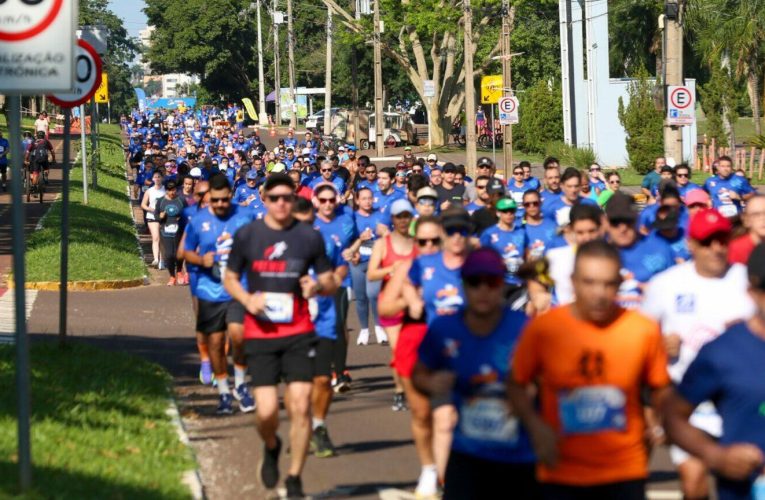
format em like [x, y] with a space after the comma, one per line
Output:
[235, 313]
[38, 167]
[623, 490]
[3, 169]
[324, 354]
[468, 476]
[288, 359]
[213, 317]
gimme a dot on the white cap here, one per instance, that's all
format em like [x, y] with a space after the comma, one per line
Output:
[432, 156]
[341, 148]
[670, 161]
[195, 172]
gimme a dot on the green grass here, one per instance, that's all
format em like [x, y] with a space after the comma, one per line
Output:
[743, 128]
[27, 124]
[99, 428]
[517, 155]
[630, 176]
[102, 244]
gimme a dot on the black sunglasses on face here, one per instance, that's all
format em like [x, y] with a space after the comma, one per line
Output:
[424, 241]
[287, 198]
[489, 280]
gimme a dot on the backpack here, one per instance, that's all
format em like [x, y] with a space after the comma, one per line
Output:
[39, 152]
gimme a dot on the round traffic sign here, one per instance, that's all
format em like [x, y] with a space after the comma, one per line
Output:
[88, 77]
[507, 105]
[680, 98]
[22, 19]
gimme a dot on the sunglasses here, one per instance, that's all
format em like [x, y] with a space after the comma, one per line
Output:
[489, 280]
[200, 193]
[371, 172]
[433, 241]
[683, 175]
[322, 201]
[220, 200]
[530, 203]
[517, 173]
[481, 186]
[618, 221]
[462, 231]
[428, 202]
[326, 170]
[615, 182]
[483, 166]
[697, 206]
[594, 170]
[722, 239]
[287, 198]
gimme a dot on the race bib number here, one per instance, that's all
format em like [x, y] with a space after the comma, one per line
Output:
[592, 409]
[518, 197]
[171, 228]
[562, 216]
[279, 307]
[313, 308]
[729, 210]
[487, 419]
[365, 251]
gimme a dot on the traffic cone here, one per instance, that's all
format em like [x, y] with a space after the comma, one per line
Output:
[272, 132]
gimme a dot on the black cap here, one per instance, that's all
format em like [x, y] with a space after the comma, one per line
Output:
[449, 167]
[667, 218]
[171, 184]
[456, 217]
[620, 207]
[495, 186]
[278, 179]
[484, 160]
[756, 267]
[667, 168]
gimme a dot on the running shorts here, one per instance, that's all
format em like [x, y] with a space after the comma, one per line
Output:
[405, 355]
[235, 313]
[290, 359]
[325, 349]
[211, 316]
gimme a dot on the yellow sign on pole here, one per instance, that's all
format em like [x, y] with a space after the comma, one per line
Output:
[250, 108]
[491, 89]
[102, 94]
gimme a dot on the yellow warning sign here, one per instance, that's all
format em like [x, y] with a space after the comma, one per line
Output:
[102, 93]
[491, 89]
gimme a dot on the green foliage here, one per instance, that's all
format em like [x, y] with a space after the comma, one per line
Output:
[634, 40]
[541, 117]
[121, 51]
[643, 124]
[571, 156]
[717, 95]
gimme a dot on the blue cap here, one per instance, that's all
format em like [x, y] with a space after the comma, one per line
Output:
[351, 148]
[400, 206]
[252, 174]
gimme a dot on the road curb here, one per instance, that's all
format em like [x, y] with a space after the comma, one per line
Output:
[191, 478]
[83, 286]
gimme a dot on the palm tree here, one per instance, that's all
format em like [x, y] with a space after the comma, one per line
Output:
[734, 28]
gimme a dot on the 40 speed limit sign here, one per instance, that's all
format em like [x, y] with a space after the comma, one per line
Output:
[37, 45]
[88, 70]
[508, 110]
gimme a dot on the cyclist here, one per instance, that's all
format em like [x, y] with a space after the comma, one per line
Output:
[37, 157]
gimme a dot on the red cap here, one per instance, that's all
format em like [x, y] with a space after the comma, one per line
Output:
[706, 222]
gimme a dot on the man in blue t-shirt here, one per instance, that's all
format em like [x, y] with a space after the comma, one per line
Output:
[248, 195]
[207, 245]
[729, 371]
[465, 358]
[557, 207]
[728, 190]
[508, 238]
[5, 147]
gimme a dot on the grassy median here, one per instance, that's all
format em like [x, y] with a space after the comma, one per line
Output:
[99, 427]
[102, 243]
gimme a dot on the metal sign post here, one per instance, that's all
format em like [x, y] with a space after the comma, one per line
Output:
[22, 341]
[94, 142]
[493, 138]
[84, 154]
[64, 276]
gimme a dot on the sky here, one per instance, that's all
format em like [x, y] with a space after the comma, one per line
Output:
[131, 12]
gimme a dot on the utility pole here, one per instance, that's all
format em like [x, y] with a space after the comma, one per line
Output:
[277, 74]
[328, 77]
[291, 65]
[379, 122]
[470, 157]
[508, 18]
[673, 73]
[262, 117]
[355, 85]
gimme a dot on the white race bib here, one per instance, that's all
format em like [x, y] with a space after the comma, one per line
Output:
[171, 228]
[487, 419]
[729, 210]
[591, 409]
[279, 307]
[365, 251]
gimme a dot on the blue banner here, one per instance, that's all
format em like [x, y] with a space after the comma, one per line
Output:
[171, 103]
[141, 96]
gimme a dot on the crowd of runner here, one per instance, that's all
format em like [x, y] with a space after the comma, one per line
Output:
[545, 334]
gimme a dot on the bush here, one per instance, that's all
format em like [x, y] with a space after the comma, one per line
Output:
[643, 124]
[717, 96]
[580, 158]
[541, 117]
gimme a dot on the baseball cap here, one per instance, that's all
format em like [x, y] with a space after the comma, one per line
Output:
[427, 192]
[484, 261]
[449, 168]
[456, 218]
[408, 148]
[432, 156]
[195, 172]
[667, 168]
[696, 196]
[341, 148]
[484, 161]
[620, 207]
[506, 204]
[400, 164]
[495, 186]
[670, 161]
[351, 148]
[756, 267]
[251, 174]
[400, 206]
[707, 222]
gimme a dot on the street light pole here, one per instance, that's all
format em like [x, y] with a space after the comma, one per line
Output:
[328, 77]
[379, 122]
[508, 17]
[673, 73]
[291, 65]
[262, 117]
[470, 157]
[277, 74]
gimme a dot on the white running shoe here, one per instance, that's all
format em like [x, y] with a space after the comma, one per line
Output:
[382, 338]
[363, 338]
[427, 485]
[154, 263]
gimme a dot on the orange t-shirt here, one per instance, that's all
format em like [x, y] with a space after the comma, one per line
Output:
[590, 380]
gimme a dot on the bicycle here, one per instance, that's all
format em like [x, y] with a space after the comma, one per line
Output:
[487, 138]
[31, 188]
[458, 135]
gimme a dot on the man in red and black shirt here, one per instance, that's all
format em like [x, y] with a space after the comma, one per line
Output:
[276, 253]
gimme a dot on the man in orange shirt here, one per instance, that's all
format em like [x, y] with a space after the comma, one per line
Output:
[590, 360]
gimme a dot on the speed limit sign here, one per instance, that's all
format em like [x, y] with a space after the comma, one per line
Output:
[508, 110]
[87, 77]
[37, 45]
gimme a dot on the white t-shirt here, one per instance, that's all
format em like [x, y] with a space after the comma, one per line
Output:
[697, 309]
[561, 261]
[155, 194]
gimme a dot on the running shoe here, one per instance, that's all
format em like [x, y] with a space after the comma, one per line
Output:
[321, 444]
[347, 376]
[363, 338]
[205, 373]
[382, 338]
[225, 406]
[269, 465]
[294, 488]
[343, 383]
[154, 263]
[427, 485]
[399, 403]
[171, 281]
[161, 265]
[246, 401]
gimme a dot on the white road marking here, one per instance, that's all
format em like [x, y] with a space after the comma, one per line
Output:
[8, 316]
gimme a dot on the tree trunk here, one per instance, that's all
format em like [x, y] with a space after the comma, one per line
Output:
[727, 125]
[753, 85]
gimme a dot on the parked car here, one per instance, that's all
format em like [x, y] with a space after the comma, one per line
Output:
[398, 130]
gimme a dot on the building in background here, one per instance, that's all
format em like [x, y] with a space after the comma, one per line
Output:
[169, 85]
